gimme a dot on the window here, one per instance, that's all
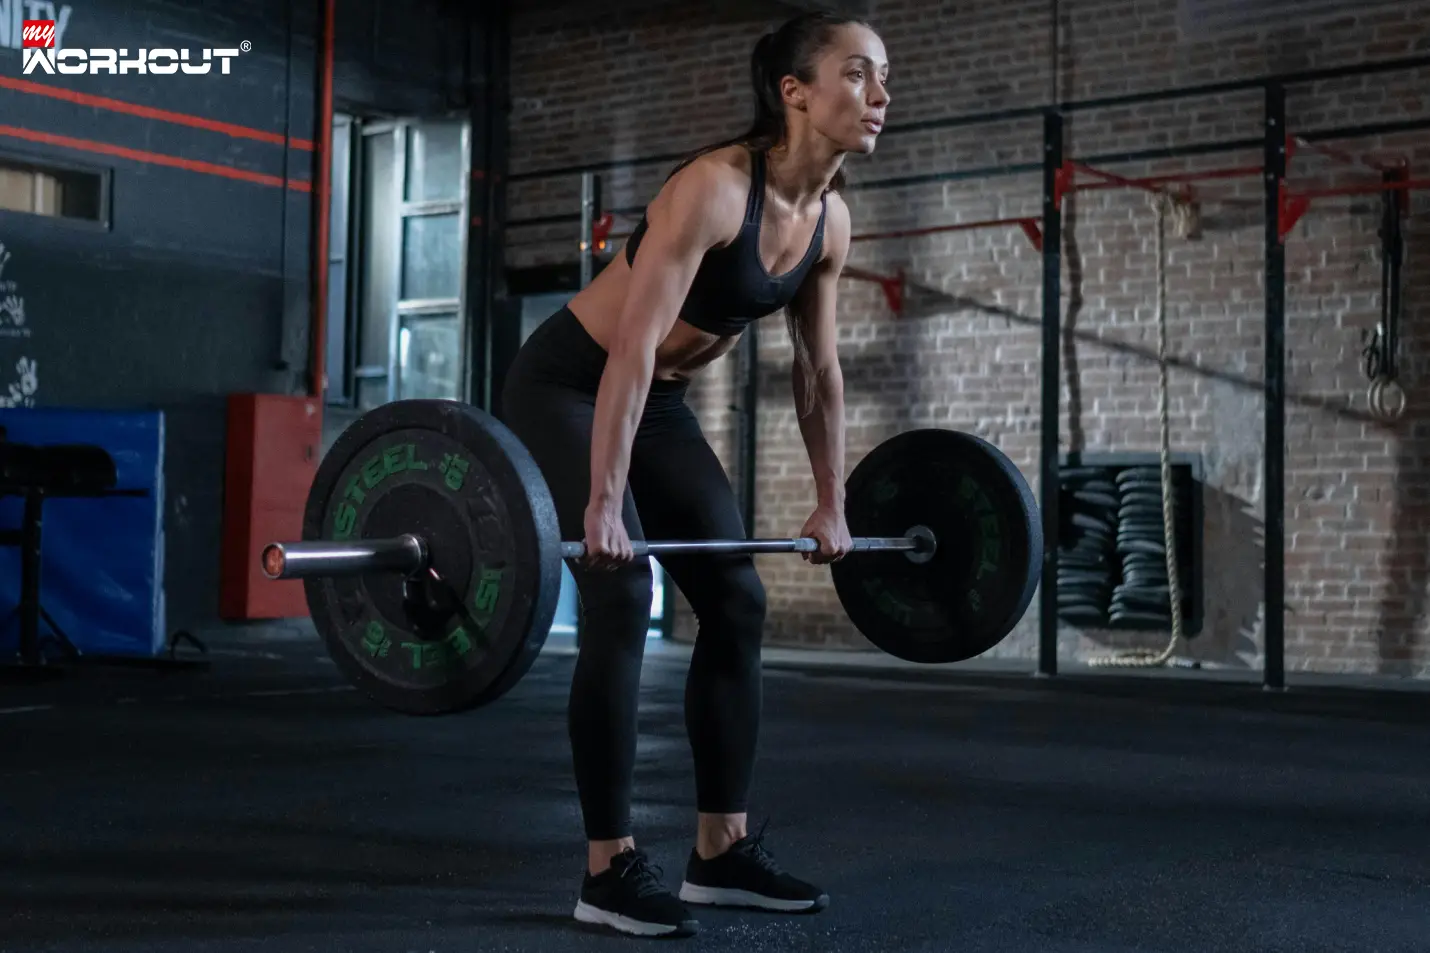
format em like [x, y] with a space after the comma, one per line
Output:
[51, 191]
[397, 261]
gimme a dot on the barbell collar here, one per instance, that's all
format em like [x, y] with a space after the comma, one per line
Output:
[406, 554]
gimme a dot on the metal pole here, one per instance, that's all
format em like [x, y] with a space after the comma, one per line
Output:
[1052, 386]
[409, 553]
[405, 553]
[1274, 648]
[485, 299]
[1392, 246]
[321, 203]
[921, 543]
[1055, 68]
[588, 224]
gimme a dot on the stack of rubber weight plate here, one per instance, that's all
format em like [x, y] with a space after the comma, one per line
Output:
[1141, 598]
[1088, 553]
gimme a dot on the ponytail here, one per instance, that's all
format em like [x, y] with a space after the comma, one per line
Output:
[791, 50]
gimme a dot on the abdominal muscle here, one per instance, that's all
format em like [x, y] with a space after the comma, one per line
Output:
[683, 353]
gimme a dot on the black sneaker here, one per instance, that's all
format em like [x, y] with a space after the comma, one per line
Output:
[628, 896]
[747, 876]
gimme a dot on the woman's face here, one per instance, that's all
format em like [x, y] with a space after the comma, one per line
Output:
[847, 98]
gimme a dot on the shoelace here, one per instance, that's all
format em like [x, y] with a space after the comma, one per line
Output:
[755, 847]
[644, 875]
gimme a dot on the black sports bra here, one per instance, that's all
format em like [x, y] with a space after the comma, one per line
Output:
[732, 287]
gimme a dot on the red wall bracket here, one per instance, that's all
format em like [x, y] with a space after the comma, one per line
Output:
[1292, 208]
[1029, 224]
[1033, 231]
[1294, 205]
[601, 230]
[892, 285]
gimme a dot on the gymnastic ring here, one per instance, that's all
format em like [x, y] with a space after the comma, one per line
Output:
[1390, 398]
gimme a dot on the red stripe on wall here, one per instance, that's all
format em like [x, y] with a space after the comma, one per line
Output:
[152, 158]
[149, 112]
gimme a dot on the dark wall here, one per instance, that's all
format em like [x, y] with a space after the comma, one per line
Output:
[198, 285]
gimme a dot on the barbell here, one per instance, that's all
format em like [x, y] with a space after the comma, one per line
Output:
[431, 554]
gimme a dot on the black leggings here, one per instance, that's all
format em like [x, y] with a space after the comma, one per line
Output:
[676, 488]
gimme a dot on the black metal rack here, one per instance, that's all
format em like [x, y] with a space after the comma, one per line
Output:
[1273, 144]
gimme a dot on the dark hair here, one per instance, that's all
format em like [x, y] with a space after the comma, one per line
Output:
[791, 50]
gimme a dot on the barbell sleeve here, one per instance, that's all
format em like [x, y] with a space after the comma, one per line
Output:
[406, 553]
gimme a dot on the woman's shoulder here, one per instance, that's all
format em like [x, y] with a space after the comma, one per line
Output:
[721, 169]
[714, 184]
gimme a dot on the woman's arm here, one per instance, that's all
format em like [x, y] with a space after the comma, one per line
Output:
[823, 427]
[691, 216]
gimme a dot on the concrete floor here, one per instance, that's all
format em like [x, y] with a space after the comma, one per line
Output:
[263, 805]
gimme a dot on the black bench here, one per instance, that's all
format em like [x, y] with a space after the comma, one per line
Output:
[36, 473]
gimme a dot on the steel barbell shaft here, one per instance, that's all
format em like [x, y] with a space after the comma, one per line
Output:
[408, 553]
[575, 550]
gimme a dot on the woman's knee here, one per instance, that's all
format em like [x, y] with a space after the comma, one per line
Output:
[749, 602]
[732, 597]
[616, 602]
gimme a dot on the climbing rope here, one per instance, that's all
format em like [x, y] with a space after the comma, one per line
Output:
[1183, 215]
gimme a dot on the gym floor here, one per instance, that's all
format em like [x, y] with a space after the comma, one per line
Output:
[263, 805]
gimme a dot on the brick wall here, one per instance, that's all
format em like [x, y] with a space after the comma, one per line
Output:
[966, 352]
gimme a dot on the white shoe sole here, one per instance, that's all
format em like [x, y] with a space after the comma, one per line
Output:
[586, 913]
[726, 897]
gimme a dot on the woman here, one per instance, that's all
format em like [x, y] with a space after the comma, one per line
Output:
[739, 231]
